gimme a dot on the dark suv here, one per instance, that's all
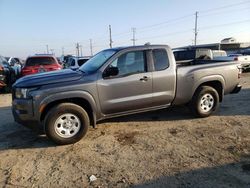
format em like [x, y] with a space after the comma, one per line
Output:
[7, 74]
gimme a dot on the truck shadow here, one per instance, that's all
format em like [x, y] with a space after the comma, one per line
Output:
[169, 114]
[24, 139]
[15, 136]
[229, 175]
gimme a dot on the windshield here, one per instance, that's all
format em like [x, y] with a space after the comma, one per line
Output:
[33, 61]
[97, 61]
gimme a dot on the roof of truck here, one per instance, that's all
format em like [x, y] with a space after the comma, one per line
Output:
[139, 46]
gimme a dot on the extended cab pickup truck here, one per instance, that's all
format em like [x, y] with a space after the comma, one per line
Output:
[117, 82]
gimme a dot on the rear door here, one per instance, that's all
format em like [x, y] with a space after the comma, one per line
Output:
[164, 78]
[131, 89]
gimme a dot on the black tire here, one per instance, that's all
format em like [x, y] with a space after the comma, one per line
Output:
[54, 115]
[204, 102]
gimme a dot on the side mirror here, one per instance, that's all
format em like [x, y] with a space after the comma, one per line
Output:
[110, 71]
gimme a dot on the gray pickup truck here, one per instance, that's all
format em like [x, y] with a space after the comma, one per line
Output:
[117, 82]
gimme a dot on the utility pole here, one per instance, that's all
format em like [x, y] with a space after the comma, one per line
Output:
[52, 51]
[110, 37]
[81, 49]
[133, 39]
[91, 47]
[77, 49]
[62, 50]
[47, 47]
[196, 28]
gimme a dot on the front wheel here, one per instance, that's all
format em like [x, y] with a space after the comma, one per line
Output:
[205, 101]
[66, 123]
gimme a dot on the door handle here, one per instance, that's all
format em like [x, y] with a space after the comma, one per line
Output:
[144, 78]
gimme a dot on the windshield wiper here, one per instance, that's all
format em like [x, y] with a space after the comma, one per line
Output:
[78, 69]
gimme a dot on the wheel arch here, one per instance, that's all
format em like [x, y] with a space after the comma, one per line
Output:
[217, 85]
[86, 101]
[215, 81]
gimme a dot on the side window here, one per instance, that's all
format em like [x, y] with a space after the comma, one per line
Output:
[130, 63]
[82, 61]
[72, 63]
[161, 61]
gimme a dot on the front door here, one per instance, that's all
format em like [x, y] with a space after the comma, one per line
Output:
[131, 89]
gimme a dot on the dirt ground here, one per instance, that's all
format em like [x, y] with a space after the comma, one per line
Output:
[166, 148]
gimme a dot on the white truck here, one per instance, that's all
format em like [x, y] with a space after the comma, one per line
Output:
[186, 55]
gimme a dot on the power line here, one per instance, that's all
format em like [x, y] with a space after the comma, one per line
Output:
[202, 13]
[221, 25]
[226, 6]
[223, 12]
[168, 34]
[165, 22]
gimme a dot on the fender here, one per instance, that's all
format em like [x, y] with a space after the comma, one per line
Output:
[193, 84]
[67, 95]
[211, 78]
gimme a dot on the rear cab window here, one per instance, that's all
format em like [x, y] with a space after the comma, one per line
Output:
[184, 55]
[33, 61]
[161, 61]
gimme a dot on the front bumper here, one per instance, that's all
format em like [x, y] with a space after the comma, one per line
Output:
[22, 110]
[237, 89]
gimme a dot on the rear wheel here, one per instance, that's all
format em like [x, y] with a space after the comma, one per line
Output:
[66, 123]
[205, 101]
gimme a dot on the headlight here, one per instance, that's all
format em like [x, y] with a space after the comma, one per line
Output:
[22, 93]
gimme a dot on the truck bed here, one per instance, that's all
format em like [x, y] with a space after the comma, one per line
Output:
[193, 73]
[199, 62]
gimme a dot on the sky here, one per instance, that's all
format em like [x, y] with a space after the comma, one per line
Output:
[27, 26]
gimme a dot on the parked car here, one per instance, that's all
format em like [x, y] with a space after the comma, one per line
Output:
[76, 62]
[243, 59]
[117, 82]
[40, 63]
[15, 64]
[7, 74]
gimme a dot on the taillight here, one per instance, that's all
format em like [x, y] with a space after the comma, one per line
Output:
[28, 71]
[1, 68]
[56, 68]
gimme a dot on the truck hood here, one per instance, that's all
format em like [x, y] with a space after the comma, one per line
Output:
[48, 78]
